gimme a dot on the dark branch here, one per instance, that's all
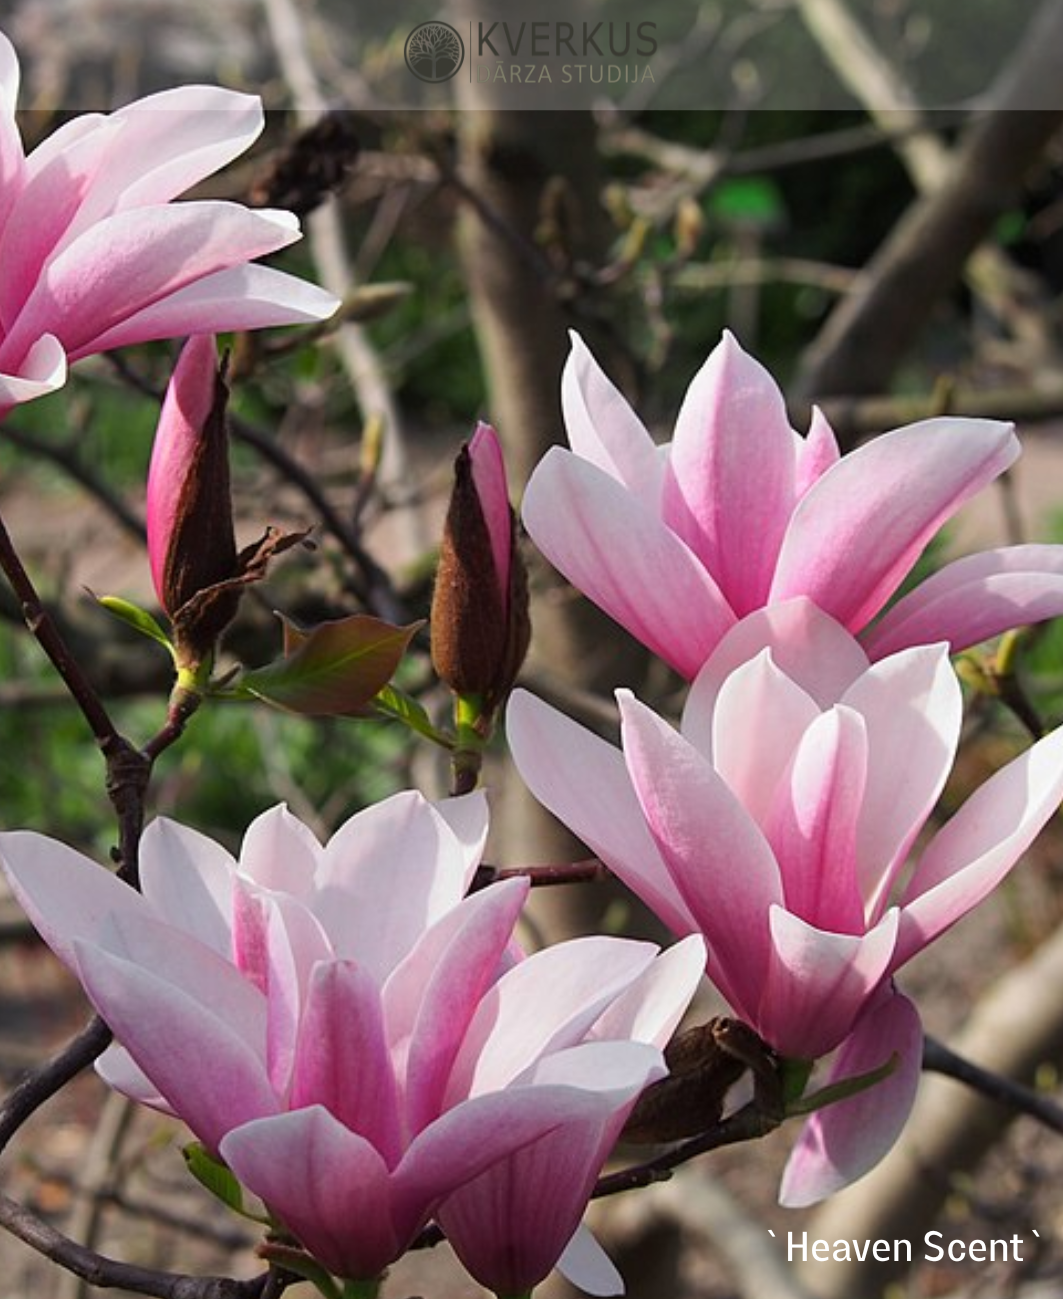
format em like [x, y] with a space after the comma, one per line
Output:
[591, 871]
[938, 1058]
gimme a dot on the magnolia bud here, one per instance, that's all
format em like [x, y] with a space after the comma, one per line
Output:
[480, 628]
[704, 1063]
[191, 542]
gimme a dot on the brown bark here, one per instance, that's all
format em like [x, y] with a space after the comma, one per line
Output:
[867, 335]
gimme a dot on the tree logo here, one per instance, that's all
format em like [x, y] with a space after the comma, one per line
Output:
[434, 51]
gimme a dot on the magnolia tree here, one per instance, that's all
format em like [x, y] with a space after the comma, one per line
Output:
[366, 1058]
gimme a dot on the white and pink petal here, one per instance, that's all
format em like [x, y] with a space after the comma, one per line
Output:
[817, 983]
[620, 554]
[973, 851]
[843, 1141]
[729, 487]
[973, 599]
[584, 781]
[859, 530]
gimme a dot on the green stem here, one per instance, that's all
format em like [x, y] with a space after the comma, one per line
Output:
[472, 727]
[842, 1090]
[362, 1289]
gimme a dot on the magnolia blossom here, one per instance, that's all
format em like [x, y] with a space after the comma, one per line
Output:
[357, 1038]
[777, 822]
[93, 253]
[737, 512]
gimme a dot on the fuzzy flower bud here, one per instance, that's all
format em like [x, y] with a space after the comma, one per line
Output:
[480, 628]
[191, 542]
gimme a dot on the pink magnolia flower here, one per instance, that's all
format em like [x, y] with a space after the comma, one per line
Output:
[777, 822]
[94, 254]
[353, 1035]
[738, 512]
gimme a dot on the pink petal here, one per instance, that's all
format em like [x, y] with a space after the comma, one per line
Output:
[280, 852]
[12, 159]
[133, 259]
[164, 1029]
[604, 430]
[489, 480]
[844, 1141]
[510, 1225]
[468, 817]
[169, 142]
[55, 185]
[327, 1184]
[178, 438]
[729, 485]
[250, 934]
[188, 879]
[585, 783]
[584, 1264]
[42, 371]
[912, 707]
[718, 858]
[816, 453]
[118, 1070]
[431, 998]
[342, 1061]
[813, 822]
[814, 651]
[620, 555]
[973, 599]
[295, 943]
[200, 973]
[66, 895]
[973, 852]
[651, 1008]
[857, 533]
[818, 983]
[244, 297]
[474, 1135]
[543, 1005]
[757, 721]
[405, 848]
[144, 154]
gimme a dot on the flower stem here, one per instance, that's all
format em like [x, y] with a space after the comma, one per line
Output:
[472, 729]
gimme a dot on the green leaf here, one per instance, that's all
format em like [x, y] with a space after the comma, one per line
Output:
[331, 670]
[137, 618]
[1010, 228]
[218, 1179]
[842, 1090]
[748, 201]
[295, 1260]
[393, 702]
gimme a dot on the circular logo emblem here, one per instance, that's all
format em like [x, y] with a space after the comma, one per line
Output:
[434, 51]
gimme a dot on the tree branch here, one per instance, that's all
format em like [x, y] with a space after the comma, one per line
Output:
[867, 334]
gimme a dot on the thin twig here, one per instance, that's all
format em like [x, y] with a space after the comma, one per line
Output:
[51, 1077]
[373, 587]
[40, 623]
[749, 1123]
[938, 1058]
[590, 871]
[109, 1273]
